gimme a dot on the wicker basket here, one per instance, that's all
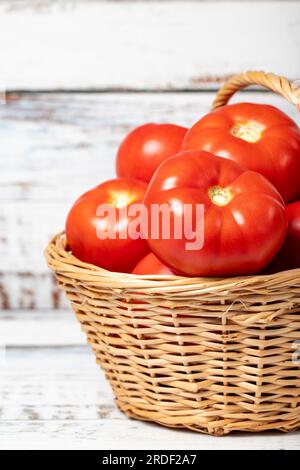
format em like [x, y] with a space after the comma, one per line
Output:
[212, 355]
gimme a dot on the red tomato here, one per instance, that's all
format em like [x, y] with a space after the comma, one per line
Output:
[85, 230]
[289, 255]
[146, 147]
[260, 137]
[244, 216]
[152, 265]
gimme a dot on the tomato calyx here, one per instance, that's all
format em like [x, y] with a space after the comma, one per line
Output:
[250, 131]
[220, 196]
[120, 199]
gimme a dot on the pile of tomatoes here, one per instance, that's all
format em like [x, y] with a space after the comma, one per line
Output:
[240, 163]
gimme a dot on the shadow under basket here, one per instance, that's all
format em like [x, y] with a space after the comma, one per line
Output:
[211, 355]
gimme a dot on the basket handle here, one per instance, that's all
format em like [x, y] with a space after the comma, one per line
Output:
[278, 84]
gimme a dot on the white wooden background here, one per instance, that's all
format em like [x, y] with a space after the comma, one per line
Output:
[79, 75]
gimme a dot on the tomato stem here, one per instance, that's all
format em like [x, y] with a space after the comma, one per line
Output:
[250, 131]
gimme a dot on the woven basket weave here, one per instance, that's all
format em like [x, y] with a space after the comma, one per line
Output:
[212, 355]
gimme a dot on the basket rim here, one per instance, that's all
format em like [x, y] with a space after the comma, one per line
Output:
[60, 260]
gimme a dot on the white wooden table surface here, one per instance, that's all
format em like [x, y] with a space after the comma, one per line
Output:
[53, 395]
[72, 98]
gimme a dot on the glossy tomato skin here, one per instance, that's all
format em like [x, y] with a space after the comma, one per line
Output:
[150, 264]
[240, 237]
[146, 147]
[83, 226]
[260, 137]
[289, 255]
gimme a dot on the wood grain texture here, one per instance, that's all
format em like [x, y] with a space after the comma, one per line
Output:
[128, 435]
[138, 45]
[40, 329]
[68, 385]
[58, 398]
[56, 147]
[29, 289]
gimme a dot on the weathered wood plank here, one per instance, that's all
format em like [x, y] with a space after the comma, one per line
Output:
[29, 289]
[58, 145]
[54, 384]
[58, 398]
[47, 328]
[138, 45]
[129, 435]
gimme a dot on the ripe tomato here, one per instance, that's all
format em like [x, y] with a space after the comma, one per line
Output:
[244, 221]
[146, 147]
[289, 255]
[260, 137]
[150, 264]
[87, 232]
